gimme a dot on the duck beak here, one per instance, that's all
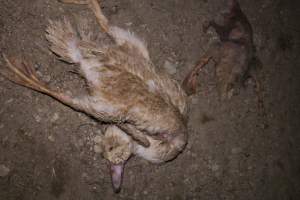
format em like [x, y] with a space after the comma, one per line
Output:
[116, 171]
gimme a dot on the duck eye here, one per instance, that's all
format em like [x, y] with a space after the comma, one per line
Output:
[110, 148]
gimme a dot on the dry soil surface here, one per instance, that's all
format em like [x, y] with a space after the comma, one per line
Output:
[235, 150]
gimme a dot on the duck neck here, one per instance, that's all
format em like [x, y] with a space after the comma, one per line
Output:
[164, 149]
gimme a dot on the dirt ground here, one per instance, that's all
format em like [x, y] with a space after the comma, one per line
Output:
[235, 151]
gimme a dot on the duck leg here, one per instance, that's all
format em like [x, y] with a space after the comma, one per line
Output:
[189, 84]
[95, 7]
[24, 74]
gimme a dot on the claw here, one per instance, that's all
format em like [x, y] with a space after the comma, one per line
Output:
[25, 75]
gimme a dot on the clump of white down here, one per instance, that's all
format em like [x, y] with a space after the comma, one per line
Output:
[121, 36]
[151, 85]
[151, 153]
[88, 66]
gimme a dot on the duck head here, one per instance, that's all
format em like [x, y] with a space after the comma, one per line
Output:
[117, 148]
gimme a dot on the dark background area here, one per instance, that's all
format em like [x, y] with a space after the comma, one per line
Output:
[235, 150]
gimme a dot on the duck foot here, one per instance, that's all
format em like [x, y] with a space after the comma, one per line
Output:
[189, 84]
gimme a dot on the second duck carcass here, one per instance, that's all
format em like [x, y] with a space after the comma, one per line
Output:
[235, 56]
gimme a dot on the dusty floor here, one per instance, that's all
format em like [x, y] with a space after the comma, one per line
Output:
[234, 152]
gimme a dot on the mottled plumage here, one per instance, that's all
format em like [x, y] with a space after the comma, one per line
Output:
[146, 108]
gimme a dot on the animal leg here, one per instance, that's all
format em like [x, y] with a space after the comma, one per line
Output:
[189, 84]
[95, 7]
[119, 35]
[24, 74]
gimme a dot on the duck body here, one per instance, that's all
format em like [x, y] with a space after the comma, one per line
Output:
[124, 86]
[125, 91]
[235, 56]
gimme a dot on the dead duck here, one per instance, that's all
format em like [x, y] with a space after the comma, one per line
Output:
[235, 55]
[146, 108]
[117, 147]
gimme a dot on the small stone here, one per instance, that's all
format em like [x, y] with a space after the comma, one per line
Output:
[189, 152]
[28, 134]
[4, 171]
[37, 118]
[98, 131]
[68, 92]
[39, 73]
[170, 67]
[145, 192]
[55, 117]
[80, 142]
[189, 146]
[143, 26]
[264, 126]
[218, 173]
[194, 155]
[47, 78]
[1, 126]
[186, 180]
[37, 66]
[9, 101]
[84, 175]
[250, 82]
[236, 150]
[115, 9]
[194, 100]
[98, 139]
[51, 138]
[128, 23]
[230, 93]
[40, 110]
[97, 149]
[215, 167]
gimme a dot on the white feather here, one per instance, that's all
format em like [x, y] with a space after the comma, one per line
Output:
[74, 51]
[90, 69]
[123, 36]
